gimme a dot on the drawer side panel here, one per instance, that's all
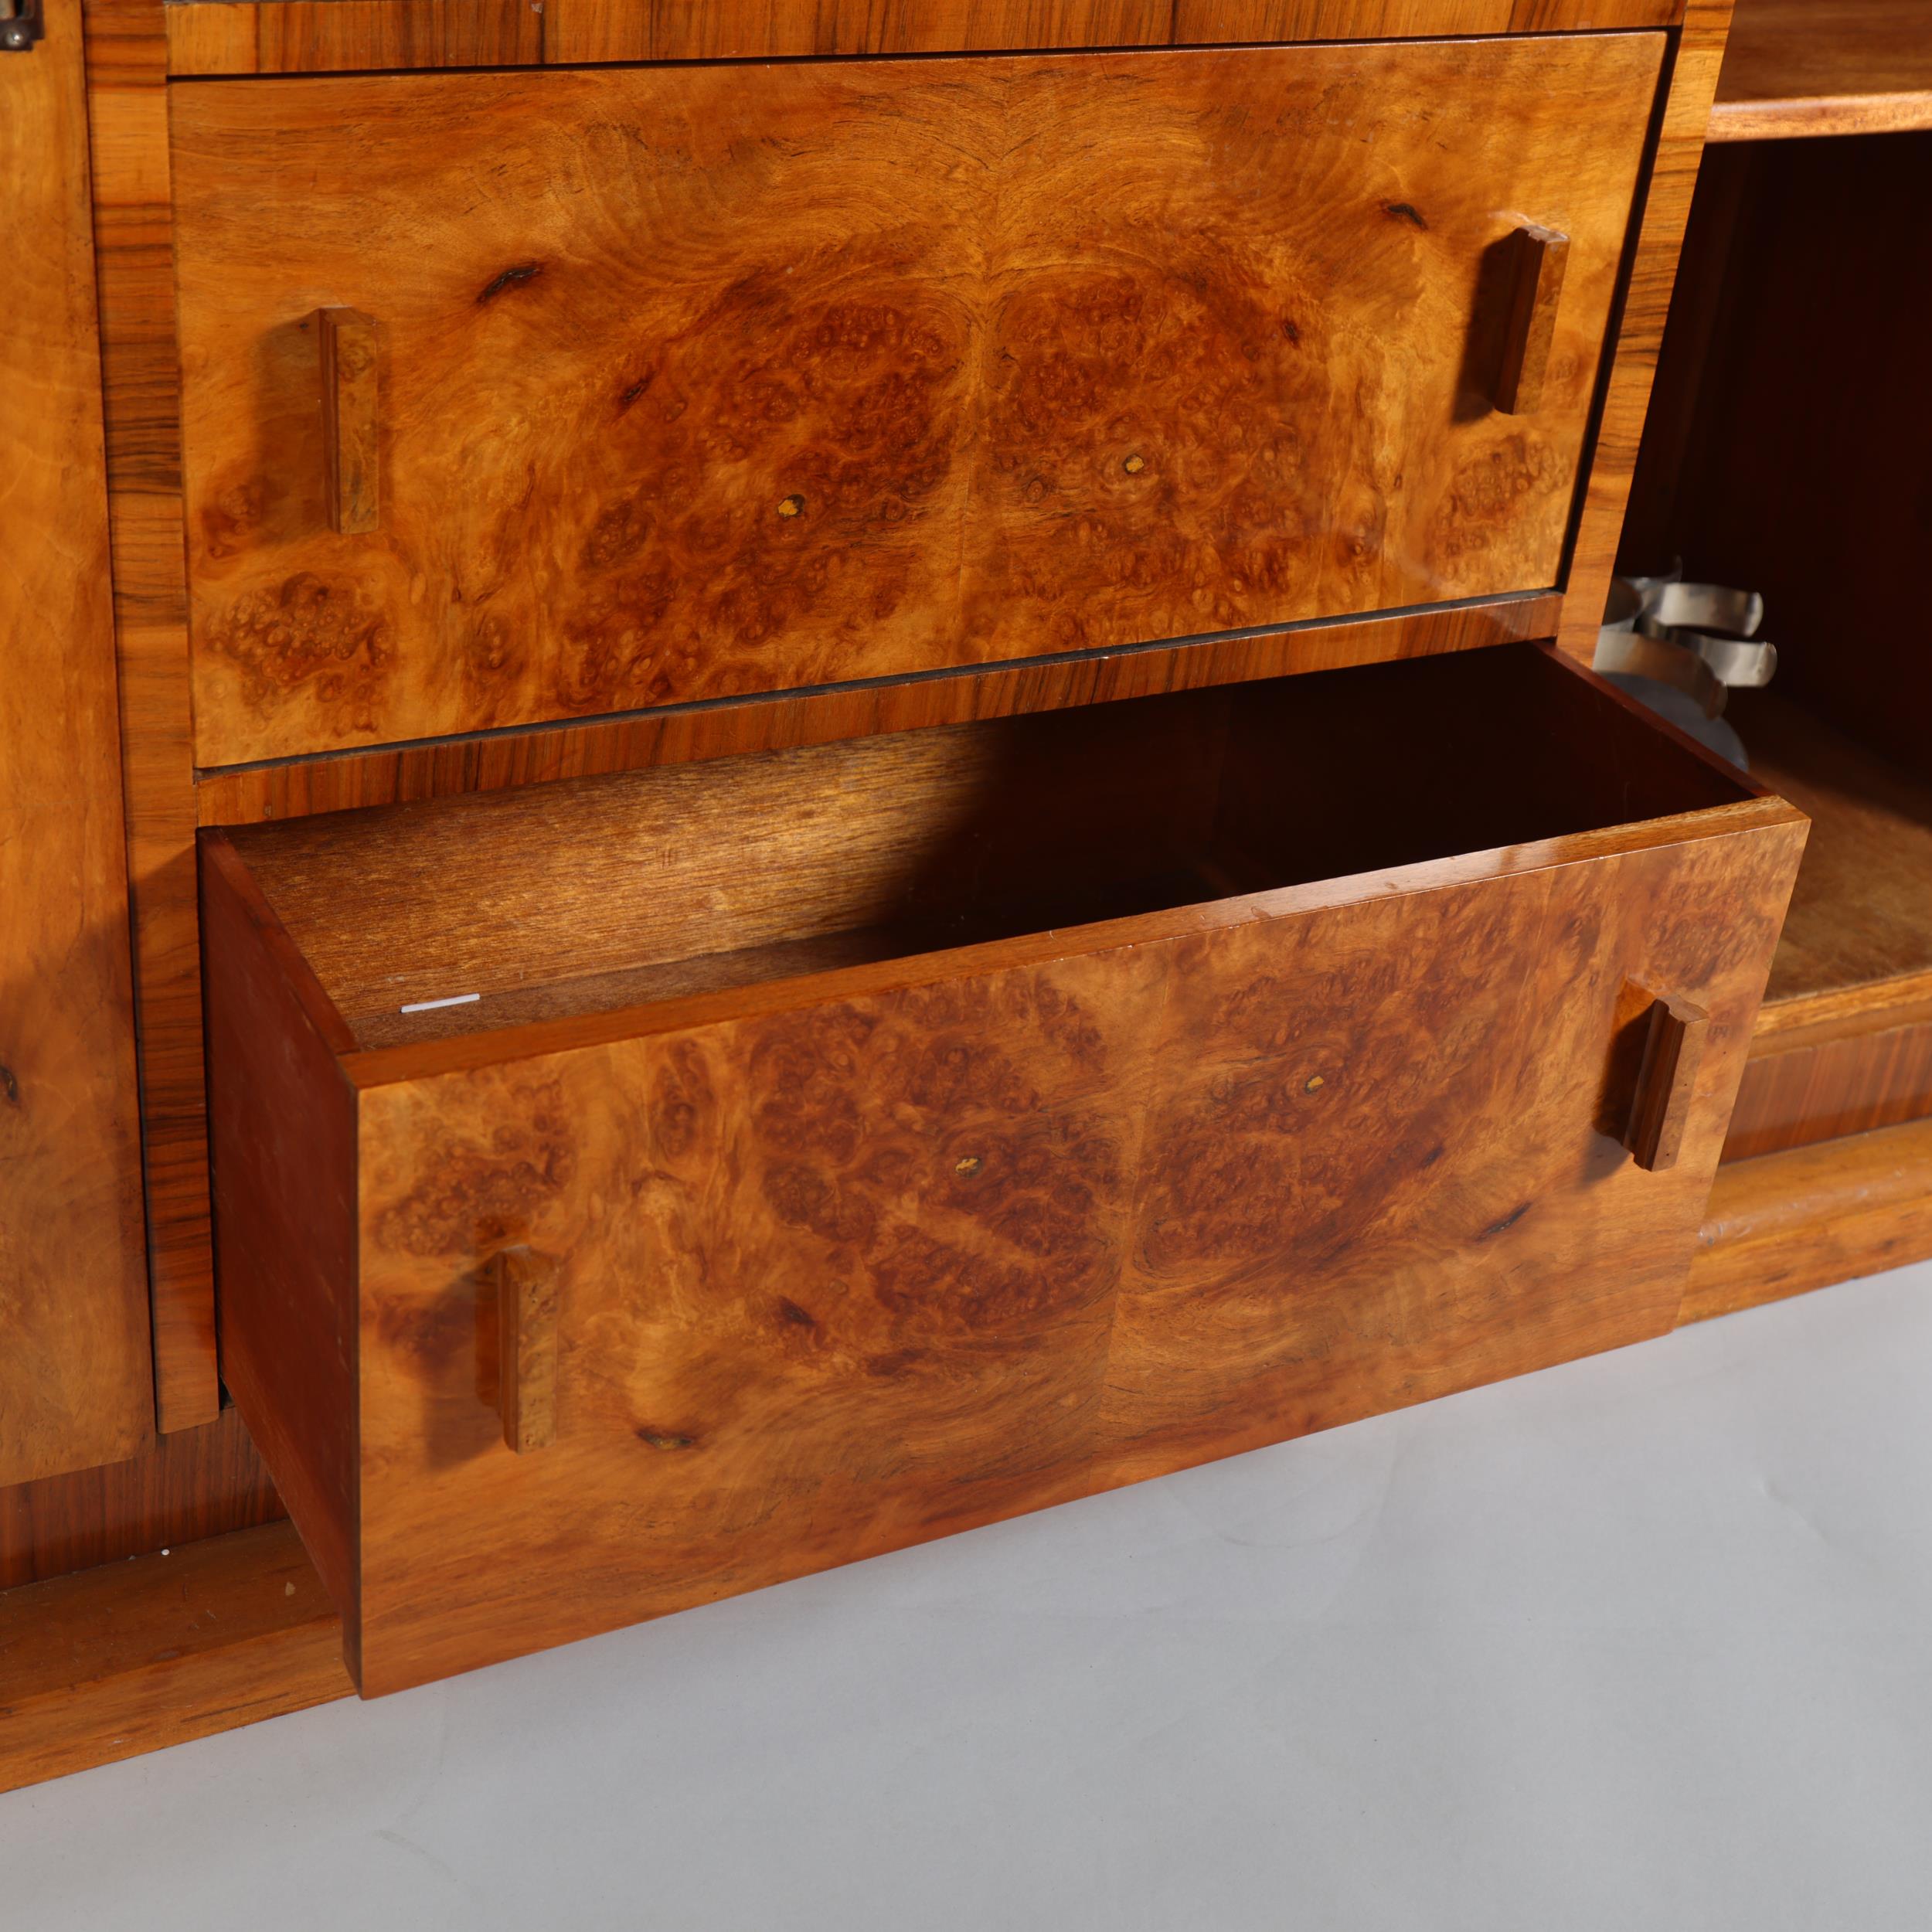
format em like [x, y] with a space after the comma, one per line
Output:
[282, 1152]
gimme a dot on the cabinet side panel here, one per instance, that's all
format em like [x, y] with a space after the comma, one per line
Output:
[282, 1136]
[76, 1382]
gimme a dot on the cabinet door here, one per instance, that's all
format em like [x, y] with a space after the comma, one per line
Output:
[76, 1379]
[519, 396]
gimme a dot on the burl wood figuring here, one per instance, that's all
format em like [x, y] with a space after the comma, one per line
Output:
[75, 1386]
[1138, 1249]
[705, 381]
[1236, 1103]
[132, 45]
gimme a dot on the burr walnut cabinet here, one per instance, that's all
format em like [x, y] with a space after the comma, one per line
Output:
[782, 776]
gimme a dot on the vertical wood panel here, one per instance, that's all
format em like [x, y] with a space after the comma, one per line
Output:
[126, 77]
[75, 1385]
[1640, 335]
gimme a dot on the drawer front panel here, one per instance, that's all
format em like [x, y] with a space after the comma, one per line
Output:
[832, 1279]
[641, 387]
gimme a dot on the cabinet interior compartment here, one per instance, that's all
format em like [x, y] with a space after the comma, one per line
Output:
[1785, 453]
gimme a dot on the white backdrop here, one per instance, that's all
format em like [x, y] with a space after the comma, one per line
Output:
[1644, 1642]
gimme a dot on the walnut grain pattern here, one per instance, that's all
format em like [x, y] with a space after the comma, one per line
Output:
[76, 1387]
[1317, 1108]
[847, 1277]
[316, 36]
[704, 383]
[126, 123]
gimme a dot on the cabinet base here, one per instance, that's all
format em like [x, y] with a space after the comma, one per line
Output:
[1783, 1223]
[111, 1662]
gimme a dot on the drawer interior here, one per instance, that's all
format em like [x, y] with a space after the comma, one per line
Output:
[596, 894]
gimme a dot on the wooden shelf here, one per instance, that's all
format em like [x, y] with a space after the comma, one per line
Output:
[1844, 1043]
[1797, 68]
[1859, 938]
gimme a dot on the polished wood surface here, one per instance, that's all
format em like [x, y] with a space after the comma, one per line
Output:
[527, 1288]
[127, 70]
[126, 111]
[1538, 259]
[856, 1258]
[674, 735]
[352, 421]
[112, 1662]
[1001, 1258]
[1676, 155]
[924, 840]
[193, 1483]
[1861, 918]
[829, 372]
[1816, 1082]
[1786, 1224]
[282, 1128]
[294, 36]
[75, 1386]
[1675, 1036]
[298, 36]
[1797, 68]
[1322, 20]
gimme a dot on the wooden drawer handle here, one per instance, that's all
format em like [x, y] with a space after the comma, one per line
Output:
[1666, 1080]
[349, 419]
[1535, 260]
[526, 1371]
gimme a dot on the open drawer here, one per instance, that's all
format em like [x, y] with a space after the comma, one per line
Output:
[519, 396]
[835, 1147]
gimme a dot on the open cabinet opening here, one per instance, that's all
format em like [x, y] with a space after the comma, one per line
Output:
[1786, 453]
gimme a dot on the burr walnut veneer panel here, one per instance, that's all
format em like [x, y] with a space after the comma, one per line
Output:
[912, 1131]
[693, 383]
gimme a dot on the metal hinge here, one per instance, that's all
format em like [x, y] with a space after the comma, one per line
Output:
[20, 25]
